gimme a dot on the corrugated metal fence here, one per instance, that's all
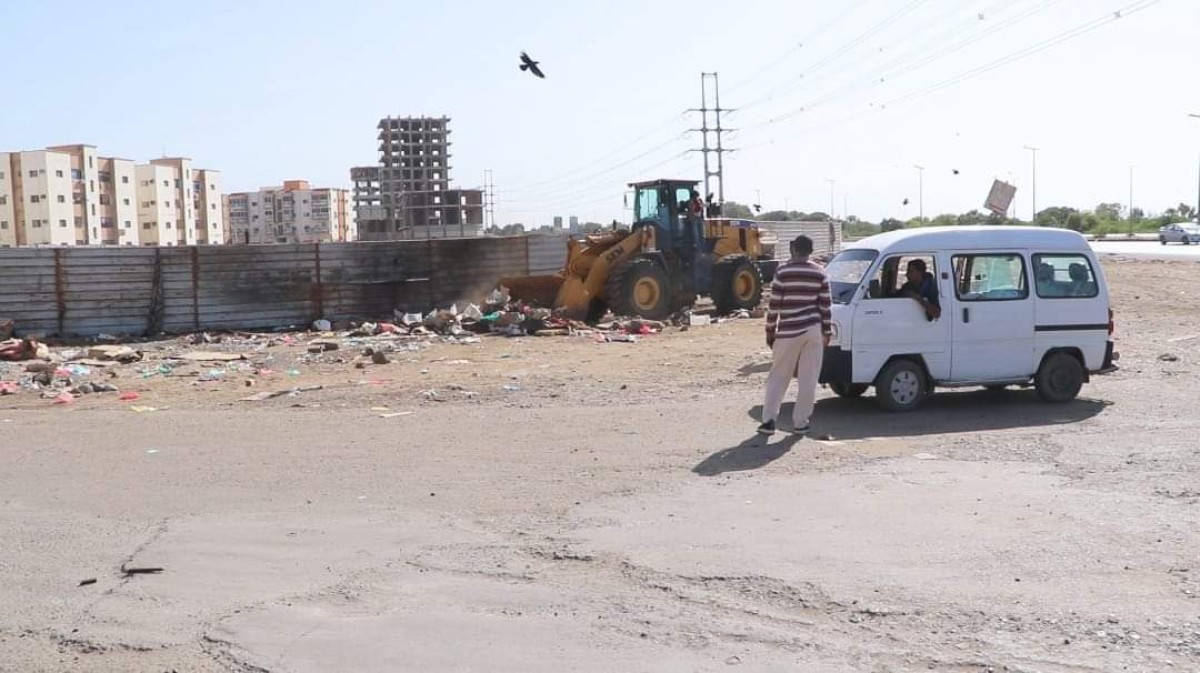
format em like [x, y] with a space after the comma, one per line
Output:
[88, 291]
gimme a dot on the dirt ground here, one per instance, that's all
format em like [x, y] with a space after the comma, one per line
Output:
[562, 504]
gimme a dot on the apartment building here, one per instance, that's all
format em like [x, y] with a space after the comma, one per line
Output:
[69, 195]
[295, 212]
[409, 194]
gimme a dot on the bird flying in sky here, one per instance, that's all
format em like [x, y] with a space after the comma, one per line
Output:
[531, 65]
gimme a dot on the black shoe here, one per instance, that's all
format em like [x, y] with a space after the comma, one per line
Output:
[767, 428]
[801, 432]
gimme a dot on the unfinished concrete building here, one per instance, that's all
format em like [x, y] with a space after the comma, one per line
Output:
[408, 195]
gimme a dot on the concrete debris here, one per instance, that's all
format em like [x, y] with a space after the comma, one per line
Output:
[380, 358]
[260, 397]
[323, 345]
[122, 354]
[206, 356]
[322, 326]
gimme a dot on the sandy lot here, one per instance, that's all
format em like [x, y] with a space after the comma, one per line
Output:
[558, 504]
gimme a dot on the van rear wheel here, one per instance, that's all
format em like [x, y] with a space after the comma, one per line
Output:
[1060, 378]
[901, 386]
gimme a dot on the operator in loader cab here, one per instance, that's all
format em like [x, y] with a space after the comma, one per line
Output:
[922, 286]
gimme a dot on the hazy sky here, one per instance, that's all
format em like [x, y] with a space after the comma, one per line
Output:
[844, 90]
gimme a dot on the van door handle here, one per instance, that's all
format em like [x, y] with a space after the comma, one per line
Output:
[966, 314]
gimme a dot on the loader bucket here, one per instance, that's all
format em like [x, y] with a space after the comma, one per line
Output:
[540, 290]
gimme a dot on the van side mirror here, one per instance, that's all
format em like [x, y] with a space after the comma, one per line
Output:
[873, 289]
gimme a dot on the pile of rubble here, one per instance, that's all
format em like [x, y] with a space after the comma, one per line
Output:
[61, 376]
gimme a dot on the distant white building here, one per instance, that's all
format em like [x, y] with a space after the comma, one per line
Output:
[292, 213]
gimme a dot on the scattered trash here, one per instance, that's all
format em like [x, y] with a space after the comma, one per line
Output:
[140, 571]
[213, 375]
[7, 327]
[259, 397]
[380, 358]
[152, 451]
[926, 456]
[695, 319]
[9, 387]
[122, 354]
[64, 398]
[206, 356]
[293, 372]
[323, 345]
[90, 580]
[322, 325]
[395, 414]
[142, 410]
[1168, 357]
[511, 388]
[15, 350]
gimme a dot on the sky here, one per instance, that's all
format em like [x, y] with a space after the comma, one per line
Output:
[856, 92]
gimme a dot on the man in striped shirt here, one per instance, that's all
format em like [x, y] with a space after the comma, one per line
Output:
[797, 332]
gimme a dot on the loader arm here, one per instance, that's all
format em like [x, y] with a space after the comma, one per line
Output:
[576, 295]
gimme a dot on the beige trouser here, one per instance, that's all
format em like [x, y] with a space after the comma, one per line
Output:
[799, 358]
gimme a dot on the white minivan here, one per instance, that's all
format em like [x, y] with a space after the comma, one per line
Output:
[1018, 306]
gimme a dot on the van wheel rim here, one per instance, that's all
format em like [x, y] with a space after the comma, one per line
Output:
[905, 387]
[1060, 379]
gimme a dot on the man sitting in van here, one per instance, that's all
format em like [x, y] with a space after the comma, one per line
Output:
[922, 286]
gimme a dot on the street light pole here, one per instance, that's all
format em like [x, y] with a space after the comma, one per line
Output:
[920, 193]
[831, 183]
[1197, 116]
[1131, 202]
[1033, 216]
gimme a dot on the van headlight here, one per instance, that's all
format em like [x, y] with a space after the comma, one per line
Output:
[835, 335]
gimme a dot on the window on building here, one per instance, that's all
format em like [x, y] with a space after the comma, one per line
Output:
[93, 209]
[147, 183]
[214, 206]
[128, 224]
[90, 165]
[79, 221]
[104, 200]
[126, 201]
[105, 176]
[3, 200]
[62, 199]
[3, 224]
[167, 224]
[76, 174]
[166, 183]
[33, 174]
[1, 175]
[147, 225]
[178, 184]
[36, 224]
[124, 179]
[58, 174]
[92, 185]
[62, 224]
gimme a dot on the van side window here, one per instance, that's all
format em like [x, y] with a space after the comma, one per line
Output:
[990, 277]
[891, 274]
[1064, 276]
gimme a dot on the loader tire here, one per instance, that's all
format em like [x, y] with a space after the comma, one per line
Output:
[736, 284]
[641, 288]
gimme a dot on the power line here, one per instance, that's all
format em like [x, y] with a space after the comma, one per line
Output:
[883, 74]
[1029, 51]
[892, 18]
[992, 65]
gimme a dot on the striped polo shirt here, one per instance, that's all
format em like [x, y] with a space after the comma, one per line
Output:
[799, 300]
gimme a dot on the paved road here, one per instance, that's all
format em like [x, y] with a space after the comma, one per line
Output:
[1148, 250]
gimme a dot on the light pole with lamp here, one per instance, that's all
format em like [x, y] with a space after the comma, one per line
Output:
[1197, 116]
[1033, 215]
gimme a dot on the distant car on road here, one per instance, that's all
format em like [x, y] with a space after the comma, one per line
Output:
[1185, 233]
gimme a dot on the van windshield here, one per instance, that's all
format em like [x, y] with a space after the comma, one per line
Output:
[846, 271]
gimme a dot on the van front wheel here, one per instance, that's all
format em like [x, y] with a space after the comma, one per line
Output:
[1060, 378]
[900, 386]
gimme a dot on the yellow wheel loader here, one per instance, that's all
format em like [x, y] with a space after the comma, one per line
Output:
[660, 265]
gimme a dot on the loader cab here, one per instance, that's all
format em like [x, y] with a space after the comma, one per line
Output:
[664, 204]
